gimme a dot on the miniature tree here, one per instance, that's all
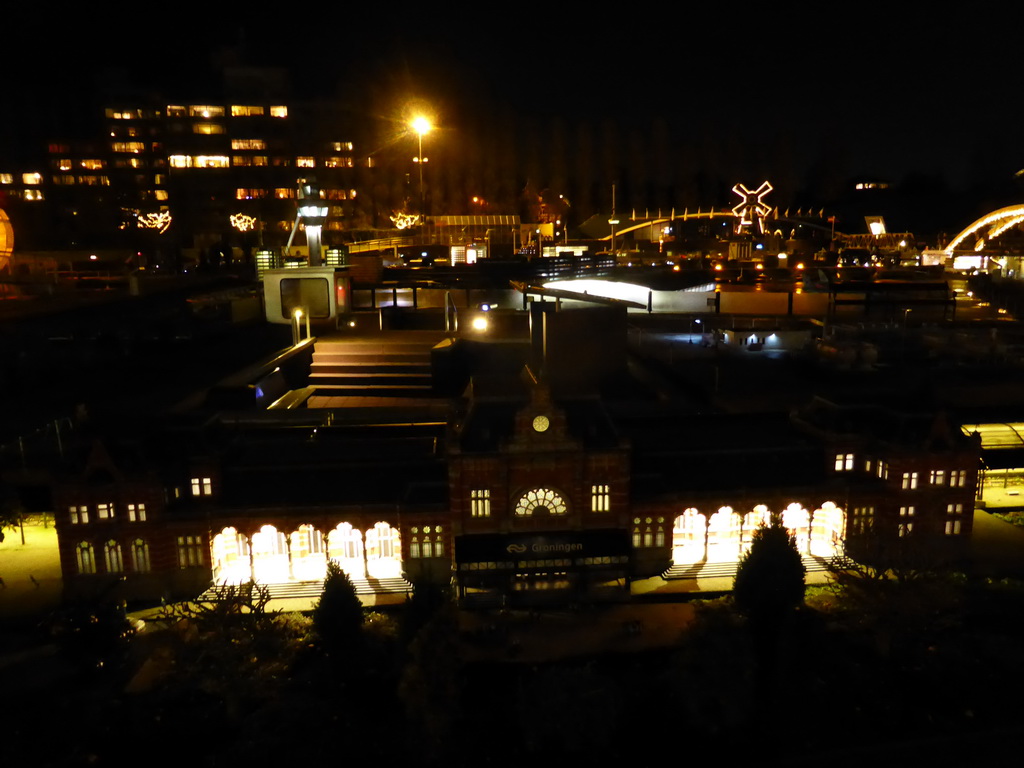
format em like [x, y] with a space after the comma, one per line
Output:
[770, 579]
[338, 614]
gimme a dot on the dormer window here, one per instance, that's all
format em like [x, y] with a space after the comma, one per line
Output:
[202, 486]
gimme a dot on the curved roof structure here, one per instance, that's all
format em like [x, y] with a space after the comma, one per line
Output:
[6, 240]
[997, 222]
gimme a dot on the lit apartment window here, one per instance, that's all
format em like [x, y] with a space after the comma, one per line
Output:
[140, 556]
[279, 111]
[906, 521]
[205, 110]
[112, 557]
[867, 465]
[85, 557]
[6, 178]
[137, 513]
[844, 462]
[208, 129]
[480, 502]
[64, 164]
[33, 194]
[79, 514]
[202, 486]
[337, 162]
[937, 477]
[335, 194]
[909, 481]
[176, 111]
[341, 146]
[245, 111]
[882, 470]
[134, 147]
[159, 194]
[305, 162]
[248, 144]
[92, 164]
[600, 499]
[351, 194]
[250, 194]
[31, 178]
[190, 551]
[105, 511]
[284, 193]
[210, 161]
[957, 478]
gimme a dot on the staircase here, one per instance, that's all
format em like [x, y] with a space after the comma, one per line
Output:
[398, 367]
[812, 563]
[312, 589]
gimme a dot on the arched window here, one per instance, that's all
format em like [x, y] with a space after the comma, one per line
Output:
[540, 500]
[140, 556]
[85, 557]
[112, 557]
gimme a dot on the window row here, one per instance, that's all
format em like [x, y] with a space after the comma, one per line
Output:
[79, 514]
[113, 560]
[845, 462]
[540, 499]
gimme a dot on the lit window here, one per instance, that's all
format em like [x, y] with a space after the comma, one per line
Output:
[957, 478]
[599, 498]
[335, 194]
[208, 129]
[284, 193]
[279, 111]
[210, 161]
[6, 178]
[205, 110]
[937, 477]
[867, 465]
[883, 470]
[337, 162]
[175, 111]
[844, 462]
[85, 557]
[64, 164]
[92, 164]
[909, 481]
[248, 144]
[190, 551]
[863, 518]
[245, 111]
[160, 194]
[31, 178]
[341, 146]
[480, 502]
[906, 521]
[79, 514]
[202, 486]
[134, 147]
[305, 162]
[952, 527]
[105, 511]
[112, 557]
[137, 513]
[540, 500]
[249, 194]
[33, 194]
[140, 556]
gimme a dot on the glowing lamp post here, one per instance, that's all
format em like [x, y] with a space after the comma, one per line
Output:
[313, 213]
[422, 126]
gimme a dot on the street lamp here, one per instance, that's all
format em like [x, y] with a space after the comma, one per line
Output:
[421, 125]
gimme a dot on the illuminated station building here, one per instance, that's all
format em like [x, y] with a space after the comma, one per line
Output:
[517, 470]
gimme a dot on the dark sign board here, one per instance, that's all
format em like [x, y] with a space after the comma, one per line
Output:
[541, 546]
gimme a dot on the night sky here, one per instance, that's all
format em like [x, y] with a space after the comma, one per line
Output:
[810, 97]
